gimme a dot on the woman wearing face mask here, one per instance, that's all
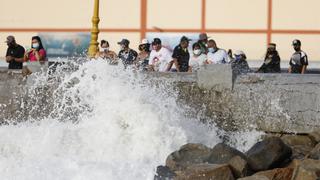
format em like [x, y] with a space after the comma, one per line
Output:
[239, 64]
[198, 58]
[106, 53]
[37, 52]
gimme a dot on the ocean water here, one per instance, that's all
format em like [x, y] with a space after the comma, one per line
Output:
[106, 123]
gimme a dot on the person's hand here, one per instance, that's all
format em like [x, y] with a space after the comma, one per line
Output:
[9, 58]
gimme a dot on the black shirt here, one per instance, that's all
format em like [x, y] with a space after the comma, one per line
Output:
[183, 56]
[15, 52]
[128, 57]
[271, 64]
[297, 61]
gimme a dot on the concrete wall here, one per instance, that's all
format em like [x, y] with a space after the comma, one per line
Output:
[287, 103]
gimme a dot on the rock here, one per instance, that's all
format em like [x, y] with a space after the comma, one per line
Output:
[296, 140]
[239, 167]
[280, 174]
[267, 154]
[255, 177]
[164, 173]
[206, 172]
[315, 153]
[187, 155]
[275, 174]
[315, 136]
[300, 151]
[222, 153]
[307, 169]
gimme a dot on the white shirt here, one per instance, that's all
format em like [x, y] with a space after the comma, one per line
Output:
[218, 57]
[197, 61]
[160, 59]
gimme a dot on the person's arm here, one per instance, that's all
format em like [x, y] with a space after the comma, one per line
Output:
[169, 66]
[20, 55]
[304, 68]
[175, 61]
[304, 64]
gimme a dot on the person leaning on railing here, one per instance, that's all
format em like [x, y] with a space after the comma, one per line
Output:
[37, 51]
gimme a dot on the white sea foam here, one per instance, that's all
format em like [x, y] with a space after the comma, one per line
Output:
[106, 124]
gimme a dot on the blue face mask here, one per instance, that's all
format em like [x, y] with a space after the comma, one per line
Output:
[238, 58]
[35, 45]
[211, 50]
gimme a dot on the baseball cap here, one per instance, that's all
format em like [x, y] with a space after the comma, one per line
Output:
[10, 39]
[203, 36]
[185, 38]
[124, 42]
[156, 41]
[144, 41]
[296, 42]
[238, 53]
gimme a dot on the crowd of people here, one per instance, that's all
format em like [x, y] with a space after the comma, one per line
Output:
[155, 57]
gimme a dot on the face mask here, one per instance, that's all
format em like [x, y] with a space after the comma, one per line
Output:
[238, 58]
[212, 50]
[197, 52]
[35, 45]
[105, 49]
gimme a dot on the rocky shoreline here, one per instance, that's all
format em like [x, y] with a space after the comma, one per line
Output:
[276, 157]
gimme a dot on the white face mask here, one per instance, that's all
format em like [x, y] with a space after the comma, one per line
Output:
[197, 52]
[105, 49]
[35, 45]
[212, 50]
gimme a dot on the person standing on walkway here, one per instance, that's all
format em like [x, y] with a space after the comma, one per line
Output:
[203, 41]
[271, 62]
[299, 60]
[37, 51]
[126, 54]
[15, 53]
[216, 55]
[181, 55]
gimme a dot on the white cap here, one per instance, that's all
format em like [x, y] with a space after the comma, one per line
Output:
[144, 41]
[238, 53]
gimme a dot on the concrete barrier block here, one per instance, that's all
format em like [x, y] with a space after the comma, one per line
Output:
[217, 76]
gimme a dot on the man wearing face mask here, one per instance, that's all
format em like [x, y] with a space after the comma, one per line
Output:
[203, 42]
[239, 64]
[126, 54]
[271, 62]
[215, 54]
[299, 59]
[181, 55]
[105, 53]
[15, 53]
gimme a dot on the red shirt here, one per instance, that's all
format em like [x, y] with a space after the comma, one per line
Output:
[33, 58]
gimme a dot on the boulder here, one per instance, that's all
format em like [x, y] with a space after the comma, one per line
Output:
[239, 167]
[187, 155]
[315, 153]
[300, 151]
[308, 169]
[279, 174]
[255, 177]
[267, 154]
[297, 140]
[222, 153]
[164, 173]
[315, 136]
[275, 174]
[206, 172]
